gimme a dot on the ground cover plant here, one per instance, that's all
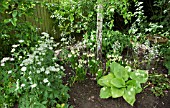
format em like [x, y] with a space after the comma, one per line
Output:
[36, 71]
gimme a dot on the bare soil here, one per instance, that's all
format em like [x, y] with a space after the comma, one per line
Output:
[86, 95]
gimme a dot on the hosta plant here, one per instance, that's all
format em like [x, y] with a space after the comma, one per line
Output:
[121, 81]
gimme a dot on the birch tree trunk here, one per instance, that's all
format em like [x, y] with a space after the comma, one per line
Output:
[99, 29]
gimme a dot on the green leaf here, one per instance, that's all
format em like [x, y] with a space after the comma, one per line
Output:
[14, 13]
[117, 92]
[13, 21]
[119, 71]
[129, 95]
[71, 17]
[7, 20]
[139, 75]
[167, 65]
[105, 80]
[118, 82]
[135, 84]
[105, 92]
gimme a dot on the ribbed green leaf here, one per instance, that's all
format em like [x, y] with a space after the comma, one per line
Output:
[105, 92]
[105, 80]
[129, 95]
[139, 75]
[116, 92]
[118, 82]
[119, 71]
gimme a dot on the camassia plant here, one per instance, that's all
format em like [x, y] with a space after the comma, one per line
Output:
[121, 81]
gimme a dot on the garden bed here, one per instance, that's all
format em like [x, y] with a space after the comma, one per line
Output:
[86, 95]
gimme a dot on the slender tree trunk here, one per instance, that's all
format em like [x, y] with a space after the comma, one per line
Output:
[99, 29]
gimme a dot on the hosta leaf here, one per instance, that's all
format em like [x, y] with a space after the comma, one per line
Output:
[117, 92]
[139, 75]
[105, 80]
[119, 71]
[129, 95]
[135, 84]
[118, 82]
[105, 92]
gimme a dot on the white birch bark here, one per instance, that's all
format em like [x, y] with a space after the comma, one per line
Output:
[99, 29]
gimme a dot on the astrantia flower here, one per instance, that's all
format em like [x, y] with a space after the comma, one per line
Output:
[23, 69]
[52, 68]
[45, 80]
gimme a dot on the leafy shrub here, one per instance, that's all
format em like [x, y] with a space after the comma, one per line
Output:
[13, 26]
[122, 82]
[32, 78]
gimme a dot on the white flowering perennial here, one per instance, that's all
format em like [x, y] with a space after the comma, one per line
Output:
[35, 64]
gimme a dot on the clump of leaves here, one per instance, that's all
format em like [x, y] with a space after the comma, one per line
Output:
[160, 84]
[122, 81]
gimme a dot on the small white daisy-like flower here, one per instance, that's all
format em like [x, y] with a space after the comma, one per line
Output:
[45, 80]
[23, 69]
[2, 64]
[22, 85]
[33, 85]
[10, 71]
[21, 41]
[47, 72]
[14, 46]
[12, 59]
[69, 55]
[13, 50]
[58, 69]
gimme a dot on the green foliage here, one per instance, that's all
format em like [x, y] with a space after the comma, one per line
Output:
[159, 83]
[32, 78]
[13, 27]
[114, 42]
[121, 82]
[73, 17]
[166, 53]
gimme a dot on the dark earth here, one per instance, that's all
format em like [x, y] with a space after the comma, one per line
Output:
[86, 95]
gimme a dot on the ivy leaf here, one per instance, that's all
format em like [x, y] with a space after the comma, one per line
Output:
[135, 84]
[117, 92]
[71, 17]
[129, 95]
[105, 80]
[119, 71]
[7, 20]
[139, 75]
[14, 13]
[118, 82]
[105, 92]
[13, 21]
